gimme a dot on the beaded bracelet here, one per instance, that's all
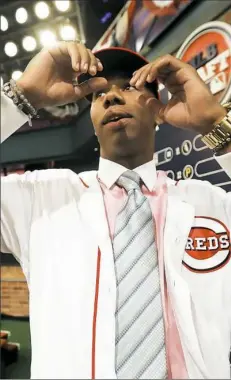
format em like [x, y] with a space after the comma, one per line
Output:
[11, 90]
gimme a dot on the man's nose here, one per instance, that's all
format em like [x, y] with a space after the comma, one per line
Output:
[113, 97]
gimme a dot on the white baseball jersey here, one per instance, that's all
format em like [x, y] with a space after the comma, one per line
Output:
[54, 222]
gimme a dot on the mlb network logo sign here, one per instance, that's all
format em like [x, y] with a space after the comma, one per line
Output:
[208, 49]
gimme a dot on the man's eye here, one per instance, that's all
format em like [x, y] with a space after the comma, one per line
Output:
[100, 94]
[128, 87]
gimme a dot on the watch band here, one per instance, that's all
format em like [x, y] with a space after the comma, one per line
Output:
[220, 136]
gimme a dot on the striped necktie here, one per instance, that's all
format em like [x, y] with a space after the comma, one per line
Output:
[140, 338]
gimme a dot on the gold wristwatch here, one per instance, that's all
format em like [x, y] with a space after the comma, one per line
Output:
[220, 136]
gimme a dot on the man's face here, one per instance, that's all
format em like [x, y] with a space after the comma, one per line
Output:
[123, 118]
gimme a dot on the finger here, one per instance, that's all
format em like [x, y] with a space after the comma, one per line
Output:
[175, 81]
[70, 49]
[138, 80]
[90, 86]
[100, 66]
[172, 86]
[93, 66]
[179, 77]
[85, 58]
[136, 76]
[143, 77]
[163, 66]
[153, 74]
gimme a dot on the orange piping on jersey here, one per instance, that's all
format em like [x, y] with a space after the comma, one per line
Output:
[95, 314]
[84, 184]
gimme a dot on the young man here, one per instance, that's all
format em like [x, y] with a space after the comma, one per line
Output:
[139, 265]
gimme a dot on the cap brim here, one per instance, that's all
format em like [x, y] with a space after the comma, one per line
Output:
[119, 60]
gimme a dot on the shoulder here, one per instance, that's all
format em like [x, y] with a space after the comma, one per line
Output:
[208, 200]
[40, 176]
[204, 196]
[48, 188]
[194, 188]
[49, 179]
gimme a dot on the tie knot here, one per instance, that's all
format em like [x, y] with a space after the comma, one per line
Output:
[129, 180]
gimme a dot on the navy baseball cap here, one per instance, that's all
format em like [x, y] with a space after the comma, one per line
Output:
[119, 60]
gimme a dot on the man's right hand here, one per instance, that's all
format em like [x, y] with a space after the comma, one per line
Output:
[48, 78]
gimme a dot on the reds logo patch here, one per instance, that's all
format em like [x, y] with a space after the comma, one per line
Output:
[208, 246]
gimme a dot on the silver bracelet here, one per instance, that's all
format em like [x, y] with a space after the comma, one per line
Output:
[11, 90]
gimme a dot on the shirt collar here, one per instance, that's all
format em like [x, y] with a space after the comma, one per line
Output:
[110, 171]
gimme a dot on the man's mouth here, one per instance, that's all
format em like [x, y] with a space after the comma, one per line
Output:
[115, 117]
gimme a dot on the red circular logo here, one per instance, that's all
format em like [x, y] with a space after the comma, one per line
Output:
[208, 49]
[208, 245]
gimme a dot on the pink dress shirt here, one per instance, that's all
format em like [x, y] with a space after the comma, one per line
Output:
[155, 189]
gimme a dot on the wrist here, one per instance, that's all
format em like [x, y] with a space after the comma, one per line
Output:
[29, 93]
[219, 137]
[222, 112]
[215, 117]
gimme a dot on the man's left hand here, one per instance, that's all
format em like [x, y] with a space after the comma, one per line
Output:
[192, 105]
